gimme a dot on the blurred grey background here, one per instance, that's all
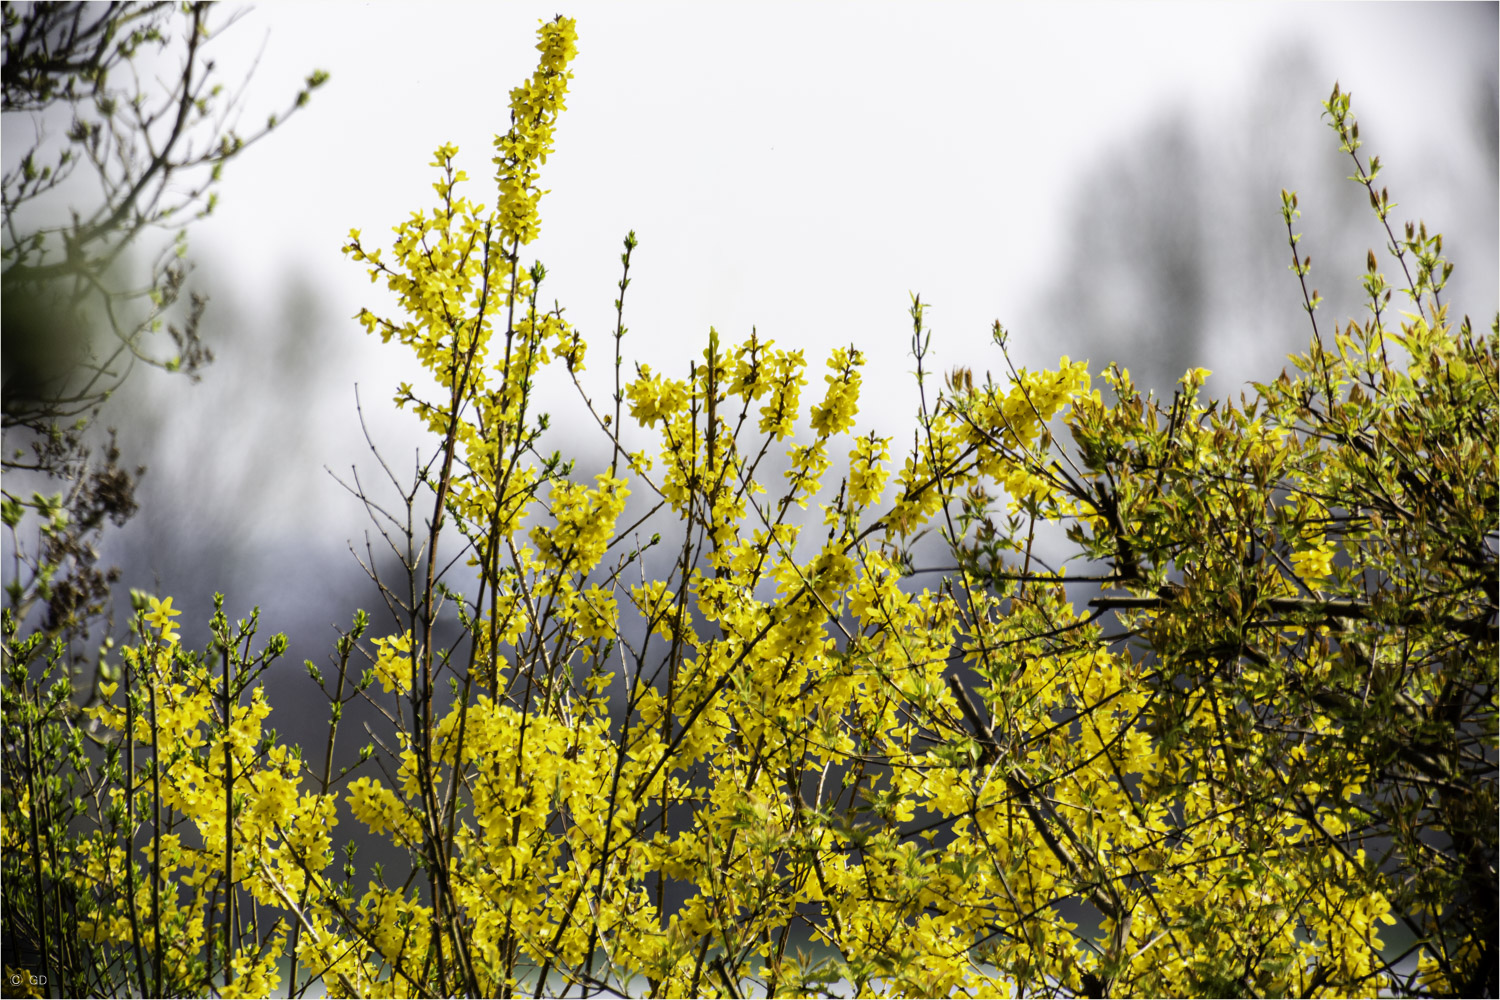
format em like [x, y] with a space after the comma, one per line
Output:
[1103, 179]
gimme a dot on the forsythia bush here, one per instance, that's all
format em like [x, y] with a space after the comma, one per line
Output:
[709, 733]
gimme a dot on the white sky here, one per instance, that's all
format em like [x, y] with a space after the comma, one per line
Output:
[797, 167]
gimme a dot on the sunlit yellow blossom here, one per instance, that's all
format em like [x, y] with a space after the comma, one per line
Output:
[160, 617]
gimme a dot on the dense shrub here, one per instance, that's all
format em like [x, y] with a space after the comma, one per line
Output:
[722, 739]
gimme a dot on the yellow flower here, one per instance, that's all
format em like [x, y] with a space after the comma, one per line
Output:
[655, 398]
[836, 413]
[1314, 565]
[393, 664]
[161, 613]
[160, 616]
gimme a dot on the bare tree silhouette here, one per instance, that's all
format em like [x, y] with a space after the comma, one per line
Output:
[1176, 255]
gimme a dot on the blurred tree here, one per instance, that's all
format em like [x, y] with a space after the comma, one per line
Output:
[1175, 232]
[1137, 235]
[126, 92]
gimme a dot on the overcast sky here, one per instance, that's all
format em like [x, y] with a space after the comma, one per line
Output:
[800, 168]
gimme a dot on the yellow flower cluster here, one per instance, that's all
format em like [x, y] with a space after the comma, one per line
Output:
[393, 663]
[271, 844]
[534, 107]
[836, 413]
[653, 398]
[956, 783]
[583, 524]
